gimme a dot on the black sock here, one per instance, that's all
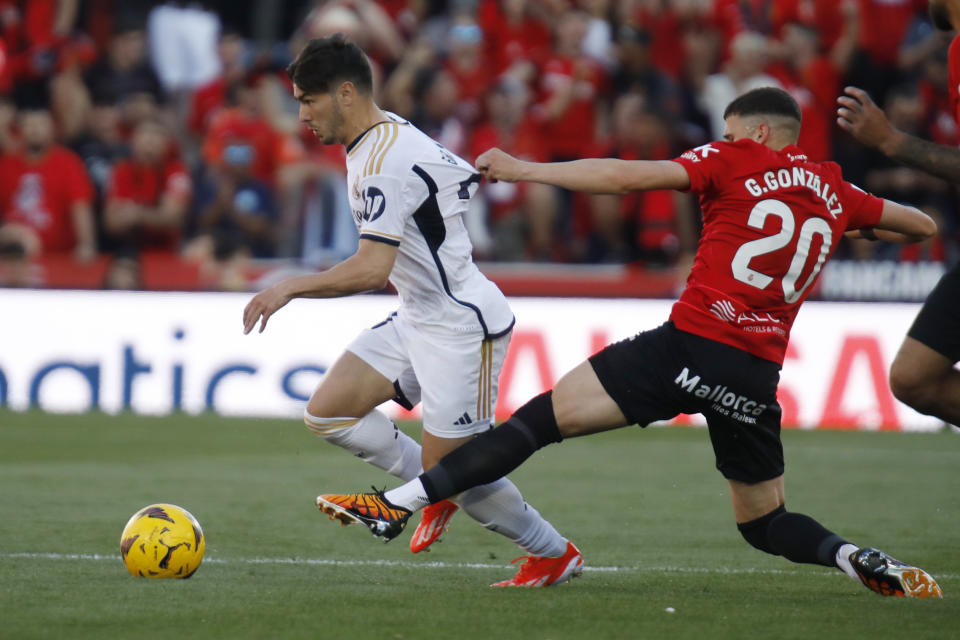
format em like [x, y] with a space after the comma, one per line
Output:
[800, 538]
[496, 453]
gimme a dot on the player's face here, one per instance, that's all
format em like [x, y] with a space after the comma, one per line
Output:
[321, 114]
[940, 15]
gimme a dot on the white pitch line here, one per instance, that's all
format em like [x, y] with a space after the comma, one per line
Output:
[326, 562]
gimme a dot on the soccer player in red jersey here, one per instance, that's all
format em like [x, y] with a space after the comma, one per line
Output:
[771, 218]
[922, 374]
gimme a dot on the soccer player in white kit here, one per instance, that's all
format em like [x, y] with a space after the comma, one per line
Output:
[446, 342]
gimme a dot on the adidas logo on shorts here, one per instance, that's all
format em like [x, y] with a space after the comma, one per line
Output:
[464, 419]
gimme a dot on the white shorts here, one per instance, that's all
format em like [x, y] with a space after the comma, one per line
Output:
[456, 377]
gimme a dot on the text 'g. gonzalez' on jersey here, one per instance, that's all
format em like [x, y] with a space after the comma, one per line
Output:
[770, 221]
[407, 190]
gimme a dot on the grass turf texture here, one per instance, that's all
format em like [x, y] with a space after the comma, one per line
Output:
[647, 509]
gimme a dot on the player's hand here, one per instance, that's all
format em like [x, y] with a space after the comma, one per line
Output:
[263, 305]
[495, 165]
[865, 121]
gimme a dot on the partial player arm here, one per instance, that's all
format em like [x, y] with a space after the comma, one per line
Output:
[899, 223]
[865, 121]
[592, 175]
[366, 270]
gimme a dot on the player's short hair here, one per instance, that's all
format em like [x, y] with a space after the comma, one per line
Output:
[767, 101]
[324, 63]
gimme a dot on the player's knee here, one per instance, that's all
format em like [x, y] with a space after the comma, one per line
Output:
[911, 389]
[757, 532]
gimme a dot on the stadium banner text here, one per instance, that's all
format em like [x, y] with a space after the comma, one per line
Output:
[157, 353]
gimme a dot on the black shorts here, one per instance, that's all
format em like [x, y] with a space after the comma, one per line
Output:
[658, 374]
[938, 323]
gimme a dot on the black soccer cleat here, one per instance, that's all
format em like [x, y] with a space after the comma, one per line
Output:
[890, 577]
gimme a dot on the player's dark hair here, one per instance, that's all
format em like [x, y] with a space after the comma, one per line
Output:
[768, 101]
[326, 62]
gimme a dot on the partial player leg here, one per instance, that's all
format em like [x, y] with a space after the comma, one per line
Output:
[922, 375]
[341, 411]
[765, 523]
[926, 380]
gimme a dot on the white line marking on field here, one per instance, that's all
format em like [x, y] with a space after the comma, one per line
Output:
[327, 562]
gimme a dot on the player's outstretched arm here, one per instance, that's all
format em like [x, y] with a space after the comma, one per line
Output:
[899, 223]
[591, 175]
[366, 270]
[865, 121]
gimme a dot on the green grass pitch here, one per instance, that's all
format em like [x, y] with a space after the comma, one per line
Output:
[648, 510]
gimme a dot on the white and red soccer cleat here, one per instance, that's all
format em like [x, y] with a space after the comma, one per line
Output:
[543, 571]
[434, 520]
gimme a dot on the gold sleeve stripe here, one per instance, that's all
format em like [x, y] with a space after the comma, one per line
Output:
[380, 233]
[395, 133]
[376, 147]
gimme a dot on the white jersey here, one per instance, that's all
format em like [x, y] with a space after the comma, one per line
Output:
[407, 190]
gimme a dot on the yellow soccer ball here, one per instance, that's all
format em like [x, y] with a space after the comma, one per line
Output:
[162, 541]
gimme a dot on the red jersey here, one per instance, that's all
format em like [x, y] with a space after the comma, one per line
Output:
[145, 186]
[770, 221]
[41, 195]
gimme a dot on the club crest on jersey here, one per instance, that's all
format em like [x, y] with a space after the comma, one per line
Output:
[374, 203]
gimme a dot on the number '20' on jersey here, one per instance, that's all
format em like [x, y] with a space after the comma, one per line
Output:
[770, 221]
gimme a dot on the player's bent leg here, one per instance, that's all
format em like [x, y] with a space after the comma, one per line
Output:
[341, 411]
[924, 379]
[765, 523]
[582, 406]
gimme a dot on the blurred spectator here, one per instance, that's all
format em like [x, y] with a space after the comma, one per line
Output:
[468, 68]
[743, 72]
[435, 98]
[635, 73]
[183, 45]
[655, 227]
[883, 24]
[888, 179]
[149, 194]
[45, 193]
[124, 71]
[521, 216]
[517, 42]
[363, 21]
[100, 147]
[242, 119]
[570, 85]
[235, 208]
[204, 102]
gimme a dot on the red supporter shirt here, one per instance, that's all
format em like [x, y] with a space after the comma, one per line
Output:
[882, 25]
[146, 186]
[41, 195]
[770, 221]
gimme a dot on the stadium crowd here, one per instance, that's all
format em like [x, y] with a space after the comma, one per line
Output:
[133, 130]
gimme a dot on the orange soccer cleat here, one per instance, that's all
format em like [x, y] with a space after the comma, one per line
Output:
[434, 520]
[384, 519]
[543, 571]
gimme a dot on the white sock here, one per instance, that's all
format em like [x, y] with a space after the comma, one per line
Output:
[498, 506]
[843, 560]
[374, 438]
[410, 496]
